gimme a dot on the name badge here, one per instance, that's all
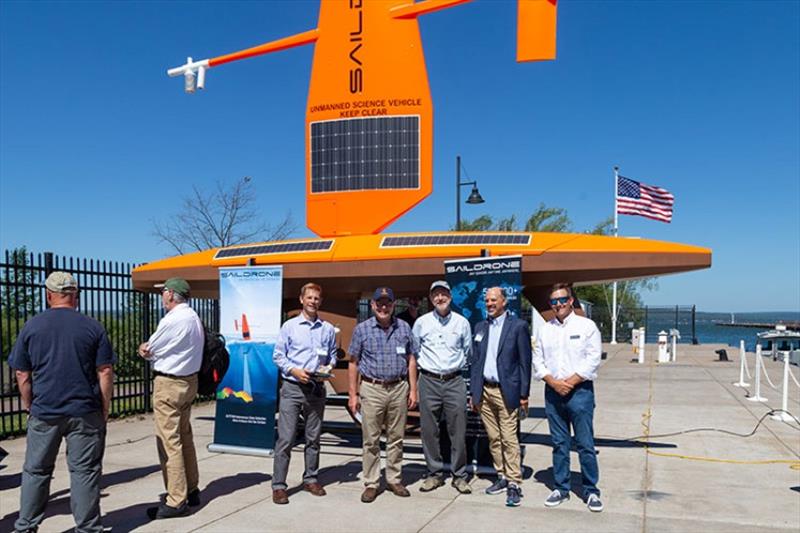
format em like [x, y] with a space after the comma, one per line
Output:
[322, 352]
[574, 336]
[400, 350]
[478, 337]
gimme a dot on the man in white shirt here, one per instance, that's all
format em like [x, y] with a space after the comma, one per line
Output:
[566, 356]
[176, 352]
[443, 341]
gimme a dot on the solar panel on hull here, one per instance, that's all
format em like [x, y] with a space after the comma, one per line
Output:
[365, 154]
[455, 240]
[282, 248]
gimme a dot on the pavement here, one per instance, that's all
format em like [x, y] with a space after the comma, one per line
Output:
[695, 481]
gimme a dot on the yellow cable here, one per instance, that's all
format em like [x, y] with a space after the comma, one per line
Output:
[794, 464]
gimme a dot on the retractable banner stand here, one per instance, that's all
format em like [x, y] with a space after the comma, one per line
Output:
[469, 279]
[250, 320]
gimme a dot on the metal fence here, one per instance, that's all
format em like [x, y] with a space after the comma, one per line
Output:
[106, 294]
[653, 318]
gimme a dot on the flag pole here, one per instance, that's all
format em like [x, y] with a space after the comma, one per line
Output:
[616, 234]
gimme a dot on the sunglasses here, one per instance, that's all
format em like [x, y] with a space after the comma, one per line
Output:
[563, 300]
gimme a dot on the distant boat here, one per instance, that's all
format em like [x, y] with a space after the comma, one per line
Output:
[780, 343]
[733, 319]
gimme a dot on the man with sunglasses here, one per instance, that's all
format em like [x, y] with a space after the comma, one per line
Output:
[176, 352]
[381, 352]
[566, 356]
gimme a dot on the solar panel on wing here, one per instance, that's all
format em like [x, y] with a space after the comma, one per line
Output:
[454, 240]
[267, 249]
[365, 154]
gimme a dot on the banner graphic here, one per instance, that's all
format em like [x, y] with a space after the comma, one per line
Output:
[250, 320]
[469, 279]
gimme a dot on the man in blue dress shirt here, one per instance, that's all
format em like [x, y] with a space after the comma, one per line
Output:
[305, 343]
[381, 352]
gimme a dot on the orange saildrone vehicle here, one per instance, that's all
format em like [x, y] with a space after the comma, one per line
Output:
[369, 141]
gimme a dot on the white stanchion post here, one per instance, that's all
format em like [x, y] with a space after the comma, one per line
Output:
[742, 363]
[641, 345]
[783, 416]
[757, 396]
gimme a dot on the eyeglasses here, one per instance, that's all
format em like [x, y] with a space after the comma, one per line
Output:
[563, 300]
[384, 303]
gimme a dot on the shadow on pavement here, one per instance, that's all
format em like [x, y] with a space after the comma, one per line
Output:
[131, 517]
[542, 439]
[58, 503]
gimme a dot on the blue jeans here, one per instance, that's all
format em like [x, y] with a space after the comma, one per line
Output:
[577, 410]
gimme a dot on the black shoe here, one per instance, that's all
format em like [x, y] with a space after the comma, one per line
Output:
[498, 487]
[165, 511]
[192, 499]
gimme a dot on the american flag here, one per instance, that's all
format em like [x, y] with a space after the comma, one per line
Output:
[635, 198]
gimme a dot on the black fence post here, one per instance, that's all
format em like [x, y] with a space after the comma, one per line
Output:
[694, 329]
[146, 367]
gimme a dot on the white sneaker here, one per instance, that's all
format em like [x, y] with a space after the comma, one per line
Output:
[593, 503]
[556, 498]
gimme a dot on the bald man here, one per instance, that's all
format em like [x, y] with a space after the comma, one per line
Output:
[500, 381]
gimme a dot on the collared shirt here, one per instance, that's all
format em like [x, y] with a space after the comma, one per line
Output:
[304, 344]
[382, 353]
[442, 344]
[492, 347]
[176, 347]
[564, 349]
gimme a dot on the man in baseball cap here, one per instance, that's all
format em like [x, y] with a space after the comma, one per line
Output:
[61, 282]
[381, 353]
[442, 339]
[178, 285]
[67, 358]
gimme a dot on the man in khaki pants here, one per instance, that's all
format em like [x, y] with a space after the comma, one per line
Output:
[176, 351]
[381, 352]
[500, 379]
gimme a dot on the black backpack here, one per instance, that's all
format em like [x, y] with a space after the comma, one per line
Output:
[216, 360]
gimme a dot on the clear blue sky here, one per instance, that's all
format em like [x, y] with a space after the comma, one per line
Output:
[702, 98]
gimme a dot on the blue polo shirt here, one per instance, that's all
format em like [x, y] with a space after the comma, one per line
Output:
[62, 348]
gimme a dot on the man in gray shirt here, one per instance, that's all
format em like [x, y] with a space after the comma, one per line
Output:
[443, 341]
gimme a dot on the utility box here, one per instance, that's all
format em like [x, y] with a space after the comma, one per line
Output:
[663, 352]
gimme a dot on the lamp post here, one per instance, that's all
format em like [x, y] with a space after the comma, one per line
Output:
[474, 197]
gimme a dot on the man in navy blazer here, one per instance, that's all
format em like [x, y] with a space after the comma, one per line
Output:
[500, 375]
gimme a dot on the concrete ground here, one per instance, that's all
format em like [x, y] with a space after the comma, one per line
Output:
[678, 483]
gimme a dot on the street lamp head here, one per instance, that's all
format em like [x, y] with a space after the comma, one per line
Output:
[475, 197]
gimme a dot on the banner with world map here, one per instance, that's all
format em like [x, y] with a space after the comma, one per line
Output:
[469, 279]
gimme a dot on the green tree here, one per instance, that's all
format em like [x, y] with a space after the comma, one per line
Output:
[556, 219]
[19, 297]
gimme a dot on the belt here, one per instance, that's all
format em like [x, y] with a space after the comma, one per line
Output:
[491, 385]
[440, 377]
[382, 382]
[173, 376]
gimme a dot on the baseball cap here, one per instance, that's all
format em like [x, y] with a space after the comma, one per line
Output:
[440, 283]
[383, 292]
[179, 285]
[61, 282]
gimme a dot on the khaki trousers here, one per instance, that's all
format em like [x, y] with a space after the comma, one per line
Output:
[501, 426]
[383, 407]
[172, 409]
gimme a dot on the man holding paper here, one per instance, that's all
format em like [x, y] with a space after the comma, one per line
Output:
[305, 343]
[381, 353]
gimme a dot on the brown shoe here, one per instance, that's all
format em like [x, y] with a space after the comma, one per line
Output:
[314, 488]
[280, 497]
[369, 495]
[398, 490]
